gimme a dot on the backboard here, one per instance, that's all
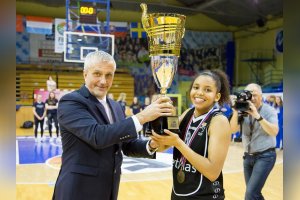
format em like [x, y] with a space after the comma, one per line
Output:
[78, 44]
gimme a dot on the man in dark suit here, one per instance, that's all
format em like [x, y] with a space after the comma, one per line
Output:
[95, 132]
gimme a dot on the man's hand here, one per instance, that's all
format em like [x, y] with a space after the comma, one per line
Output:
[160, 107]
[233, 99]
[253, 111]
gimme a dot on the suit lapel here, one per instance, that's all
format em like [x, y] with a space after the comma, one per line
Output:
[116, 117]
[102, 110]
[113, 109]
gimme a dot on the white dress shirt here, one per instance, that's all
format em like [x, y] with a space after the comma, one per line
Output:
[137, 124]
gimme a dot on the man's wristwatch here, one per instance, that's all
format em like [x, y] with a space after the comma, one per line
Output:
[260, 118]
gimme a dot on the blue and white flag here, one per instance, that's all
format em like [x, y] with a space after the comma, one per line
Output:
[39, 25]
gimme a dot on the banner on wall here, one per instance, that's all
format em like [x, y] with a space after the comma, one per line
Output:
[42, 49]
[60, 27]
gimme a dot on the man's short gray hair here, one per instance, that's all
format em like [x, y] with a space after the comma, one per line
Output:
[255, 85]
[97, 57]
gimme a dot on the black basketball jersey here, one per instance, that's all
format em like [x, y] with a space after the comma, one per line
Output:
[195, 185]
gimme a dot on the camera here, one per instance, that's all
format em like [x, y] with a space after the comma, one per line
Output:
[242, 103]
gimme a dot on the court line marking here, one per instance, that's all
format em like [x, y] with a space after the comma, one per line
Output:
[35, 183]
[147, 179]
[242, 170]
[130, 180]
[32, 164]
[51, 166]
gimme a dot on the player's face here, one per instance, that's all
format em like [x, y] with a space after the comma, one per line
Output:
[204, 94]
[98, 78]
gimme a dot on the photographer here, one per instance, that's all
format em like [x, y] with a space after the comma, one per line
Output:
[260, 127]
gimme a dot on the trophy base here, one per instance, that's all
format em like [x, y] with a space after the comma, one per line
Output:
[171, 123]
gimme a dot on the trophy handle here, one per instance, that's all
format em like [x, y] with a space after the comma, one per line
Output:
[144, 15]
[144, 9]
[183, 32]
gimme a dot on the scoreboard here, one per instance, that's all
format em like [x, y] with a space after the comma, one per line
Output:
[88, 13]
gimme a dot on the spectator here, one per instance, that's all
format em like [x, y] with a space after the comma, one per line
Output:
[51, 106]
[39, 111]
[122, 101]
[135, 106]
[51, 84]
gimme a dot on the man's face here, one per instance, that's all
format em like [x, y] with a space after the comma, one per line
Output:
[99, 78]
[256, 95]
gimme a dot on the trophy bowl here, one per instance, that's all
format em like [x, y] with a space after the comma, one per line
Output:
[164, 32]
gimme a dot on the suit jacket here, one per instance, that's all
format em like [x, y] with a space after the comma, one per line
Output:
[92, 157]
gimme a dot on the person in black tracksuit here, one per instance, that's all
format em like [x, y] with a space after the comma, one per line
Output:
[39, 111]
[201, 146]
[51, 105]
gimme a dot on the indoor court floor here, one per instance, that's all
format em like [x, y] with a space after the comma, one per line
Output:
[37, 166]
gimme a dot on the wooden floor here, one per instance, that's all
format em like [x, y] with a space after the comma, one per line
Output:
[36, 182]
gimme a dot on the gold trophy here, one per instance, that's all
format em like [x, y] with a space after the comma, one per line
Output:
[164, 32]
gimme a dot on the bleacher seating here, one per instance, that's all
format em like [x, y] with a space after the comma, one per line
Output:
[29, 80]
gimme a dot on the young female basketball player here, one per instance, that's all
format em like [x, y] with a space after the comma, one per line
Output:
[201, 146]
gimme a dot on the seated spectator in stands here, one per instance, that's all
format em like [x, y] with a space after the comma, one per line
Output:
[51, 106]
[189, 65]
[122, 101]
[39, 111]
[143, 55]
[51, 84]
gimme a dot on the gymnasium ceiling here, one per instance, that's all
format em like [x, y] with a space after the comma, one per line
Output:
[220, 14]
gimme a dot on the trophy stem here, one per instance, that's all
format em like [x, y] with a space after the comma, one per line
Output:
[163, 92]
